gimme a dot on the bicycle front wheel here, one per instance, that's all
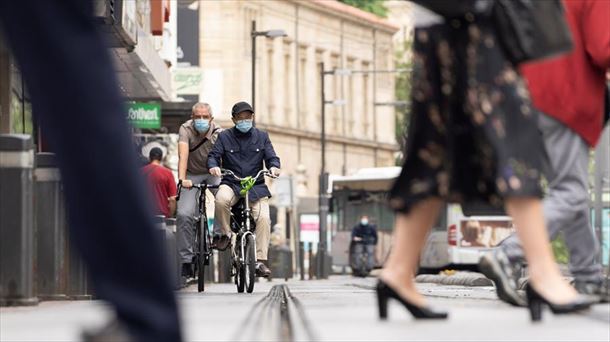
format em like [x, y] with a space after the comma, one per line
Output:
[250, 263]
[202, 245]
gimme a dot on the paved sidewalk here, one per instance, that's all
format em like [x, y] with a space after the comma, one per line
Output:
[342, 308]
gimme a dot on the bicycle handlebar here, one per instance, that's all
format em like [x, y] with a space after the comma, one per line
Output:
[227, 172]
[200, 186]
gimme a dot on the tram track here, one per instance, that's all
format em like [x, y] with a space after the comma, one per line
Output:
[279, 316]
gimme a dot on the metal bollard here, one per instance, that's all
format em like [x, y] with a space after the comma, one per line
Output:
[51, 264]
[167, 239]
[224, 266]
[302, 259]
[311, 268]
[170, 224]
[17, 250]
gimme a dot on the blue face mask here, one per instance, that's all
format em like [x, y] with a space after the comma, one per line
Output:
[364, 222]
[243, 125]
[201, 125]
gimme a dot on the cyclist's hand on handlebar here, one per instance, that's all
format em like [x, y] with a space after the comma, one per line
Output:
[215, 171]
[274, 171]
[187, 183]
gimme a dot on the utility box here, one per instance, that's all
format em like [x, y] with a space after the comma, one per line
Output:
[51, 242]
[16, 220]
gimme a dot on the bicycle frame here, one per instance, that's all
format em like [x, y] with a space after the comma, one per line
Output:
[202, 245]
[245, 228]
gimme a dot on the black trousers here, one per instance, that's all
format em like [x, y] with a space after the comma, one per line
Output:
[75, 100]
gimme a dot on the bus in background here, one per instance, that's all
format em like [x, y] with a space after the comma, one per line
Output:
[460, 236]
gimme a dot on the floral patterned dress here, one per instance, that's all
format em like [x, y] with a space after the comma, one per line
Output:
[472, 133]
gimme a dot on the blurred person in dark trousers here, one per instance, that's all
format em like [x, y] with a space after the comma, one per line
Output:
[365, 234]
[472, 137]
[76, 101]
[570, 93]
[161, 183]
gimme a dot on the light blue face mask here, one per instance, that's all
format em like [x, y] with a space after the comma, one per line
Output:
[201, 125]
[364, 222]
[244, 125]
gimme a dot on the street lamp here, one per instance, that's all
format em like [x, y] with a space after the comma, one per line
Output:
[253, 35]
[323, 181]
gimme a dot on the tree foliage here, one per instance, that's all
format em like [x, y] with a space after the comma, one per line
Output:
[402, 91]
[373, 6]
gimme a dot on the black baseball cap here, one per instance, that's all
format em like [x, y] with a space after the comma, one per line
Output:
[241, 107]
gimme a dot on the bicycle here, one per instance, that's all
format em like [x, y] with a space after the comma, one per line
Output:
[202, 246]
[359, 258]
[244, 226]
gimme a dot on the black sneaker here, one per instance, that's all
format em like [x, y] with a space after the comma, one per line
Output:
[262, 270]
[221, 242]
[496, 266]
[592, 288]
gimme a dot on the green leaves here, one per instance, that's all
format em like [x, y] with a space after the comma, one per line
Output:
[372, 6]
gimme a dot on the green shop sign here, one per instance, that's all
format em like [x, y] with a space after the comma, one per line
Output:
[144, 115]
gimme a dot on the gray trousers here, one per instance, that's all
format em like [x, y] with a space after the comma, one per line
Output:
[566, 207]
[186, 212]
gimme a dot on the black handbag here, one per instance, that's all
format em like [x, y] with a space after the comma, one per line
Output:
[530, 30]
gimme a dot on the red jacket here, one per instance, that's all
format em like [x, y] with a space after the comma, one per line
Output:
[571, 88]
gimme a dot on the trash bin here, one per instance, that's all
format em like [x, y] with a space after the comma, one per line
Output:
[51, 259]
[16, 220]
[280, 260]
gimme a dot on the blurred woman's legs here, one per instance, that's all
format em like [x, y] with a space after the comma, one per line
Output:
[410, 231]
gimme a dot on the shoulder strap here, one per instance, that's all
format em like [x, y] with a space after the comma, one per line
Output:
[203, 141]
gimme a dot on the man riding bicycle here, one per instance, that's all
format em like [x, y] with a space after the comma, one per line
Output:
[243, 149]
[196, 137]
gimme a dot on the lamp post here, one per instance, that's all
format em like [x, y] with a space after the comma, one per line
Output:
[253, 35]
[323, 178]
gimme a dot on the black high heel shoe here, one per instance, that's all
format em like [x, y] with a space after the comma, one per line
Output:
[385, 292]
[535, 302]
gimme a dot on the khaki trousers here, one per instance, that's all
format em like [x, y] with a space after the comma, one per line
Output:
[225, 199]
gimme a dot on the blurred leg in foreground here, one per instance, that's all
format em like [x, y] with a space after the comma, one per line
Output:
[76, 101]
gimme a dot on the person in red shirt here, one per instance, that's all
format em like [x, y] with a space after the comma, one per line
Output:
[161, 183]
[570, 92]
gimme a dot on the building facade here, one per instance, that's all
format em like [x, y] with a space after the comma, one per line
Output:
[288, 82]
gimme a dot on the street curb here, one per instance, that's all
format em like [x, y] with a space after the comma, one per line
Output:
[457, 279]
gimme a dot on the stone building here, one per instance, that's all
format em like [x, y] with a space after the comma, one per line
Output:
[288, 82]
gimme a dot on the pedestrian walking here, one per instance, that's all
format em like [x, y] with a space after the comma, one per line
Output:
[161, 184]
[570, 93]
[76, 101]
[472, 136]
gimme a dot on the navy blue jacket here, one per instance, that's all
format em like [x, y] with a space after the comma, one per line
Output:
[368, 233]
[244, 154]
